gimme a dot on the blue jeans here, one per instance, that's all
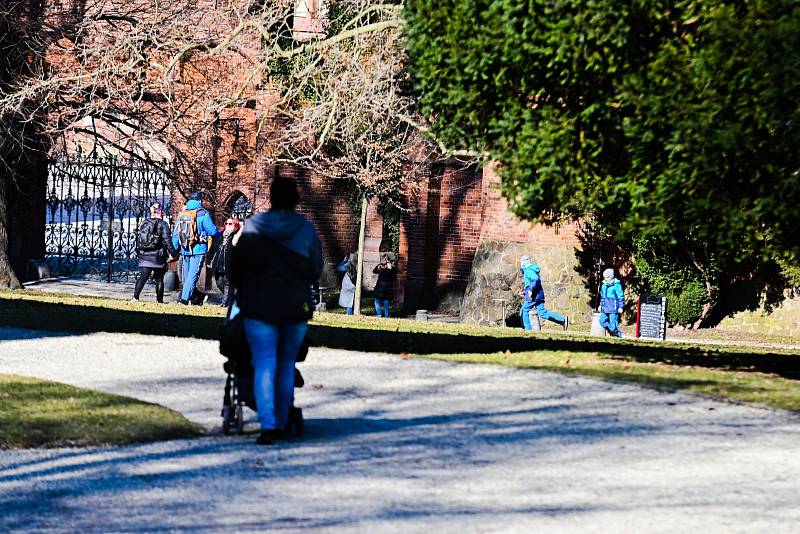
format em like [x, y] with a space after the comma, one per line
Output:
[544, 314]
[349, 310]
[385, 307]
[274, 349]
[191, 274]
[547, 315]
[610, 321]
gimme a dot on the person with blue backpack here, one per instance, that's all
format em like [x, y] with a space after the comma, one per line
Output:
[533, 296]
[612, 302]
[193, 228]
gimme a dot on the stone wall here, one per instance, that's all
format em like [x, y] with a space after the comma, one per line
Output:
[783, 321]
[495, 278]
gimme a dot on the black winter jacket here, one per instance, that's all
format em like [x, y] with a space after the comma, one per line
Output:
[157, 259]
[274, 264]
[384, 287]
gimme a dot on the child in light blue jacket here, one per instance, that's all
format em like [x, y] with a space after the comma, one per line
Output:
[612, 302]
[533, 296]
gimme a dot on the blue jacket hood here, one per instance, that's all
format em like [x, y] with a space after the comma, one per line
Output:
[193, 205]
[289, 228]
[530, 273]
[277, 224]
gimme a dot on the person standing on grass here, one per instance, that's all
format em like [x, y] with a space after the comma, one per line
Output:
[155, 249]
[277, 258]
[347, 293]
[612, 303]
[384, 287]
[193, 228]
[533, 296]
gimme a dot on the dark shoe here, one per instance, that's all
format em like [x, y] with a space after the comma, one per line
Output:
[267, 437]
[184, 302]
[566, 322]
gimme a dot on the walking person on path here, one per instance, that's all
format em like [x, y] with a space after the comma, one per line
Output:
[193, 228]
[221, 262]
[533, 296]
[155, 249]
[275, 262]
[347, 293]
[612, 302]
[384, 287]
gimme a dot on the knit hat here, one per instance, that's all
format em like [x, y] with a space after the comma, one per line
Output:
[608, 273]
[524, 261]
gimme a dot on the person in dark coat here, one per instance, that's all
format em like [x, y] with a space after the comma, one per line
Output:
[277, 258]
[155, 249]
[384, 287]
[221, 262]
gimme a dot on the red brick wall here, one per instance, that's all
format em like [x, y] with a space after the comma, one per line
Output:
[439, 234]
[448, 214]
[498, 223]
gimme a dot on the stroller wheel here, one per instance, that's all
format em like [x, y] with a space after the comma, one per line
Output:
[239, 420]
[226, 420]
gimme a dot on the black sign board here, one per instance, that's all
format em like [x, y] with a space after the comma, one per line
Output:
[651, 317]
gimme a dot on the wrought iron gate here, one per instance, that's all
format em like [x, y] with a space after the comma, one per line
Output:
[95, 205]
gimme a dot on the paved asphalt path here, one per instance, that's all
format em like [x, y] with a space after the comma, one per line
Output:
[401, 445]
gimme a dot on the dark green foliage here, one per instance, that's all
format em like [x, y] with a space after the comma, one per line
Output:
[659, 272]
[390, 212]
[686, 306]
[598, 251]
[670, 120]
[790, 270]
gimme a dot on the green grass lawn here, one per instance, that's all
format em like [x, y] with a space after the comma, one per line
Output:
[747, 386]
[748, 373]
[39, 413]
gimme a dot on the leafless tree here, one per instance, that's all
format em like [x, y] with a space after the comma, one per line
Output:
[129, 71]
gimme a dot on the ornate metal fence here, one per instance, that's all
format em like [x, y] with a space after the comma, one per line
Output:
[94, 207]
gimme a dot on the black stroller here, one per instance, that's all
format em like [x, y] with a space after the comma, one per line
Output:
[239, 383]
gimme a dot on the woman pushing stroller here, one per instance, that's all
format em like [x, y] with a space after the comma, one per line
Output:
[277, 258]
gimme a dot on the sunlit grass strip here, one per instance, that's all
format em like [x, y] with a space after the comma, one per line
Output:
[320, 318]
[747, 373]
[39, 413]
[761, 388]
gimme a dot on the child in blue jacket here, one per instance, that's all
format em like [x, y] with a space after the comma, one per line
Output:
[612, 302]
[533, 296]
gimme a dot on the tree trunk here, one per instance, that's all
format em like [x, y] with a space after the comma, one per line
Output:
[360, 266]
[8, 280]
[707, 307]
